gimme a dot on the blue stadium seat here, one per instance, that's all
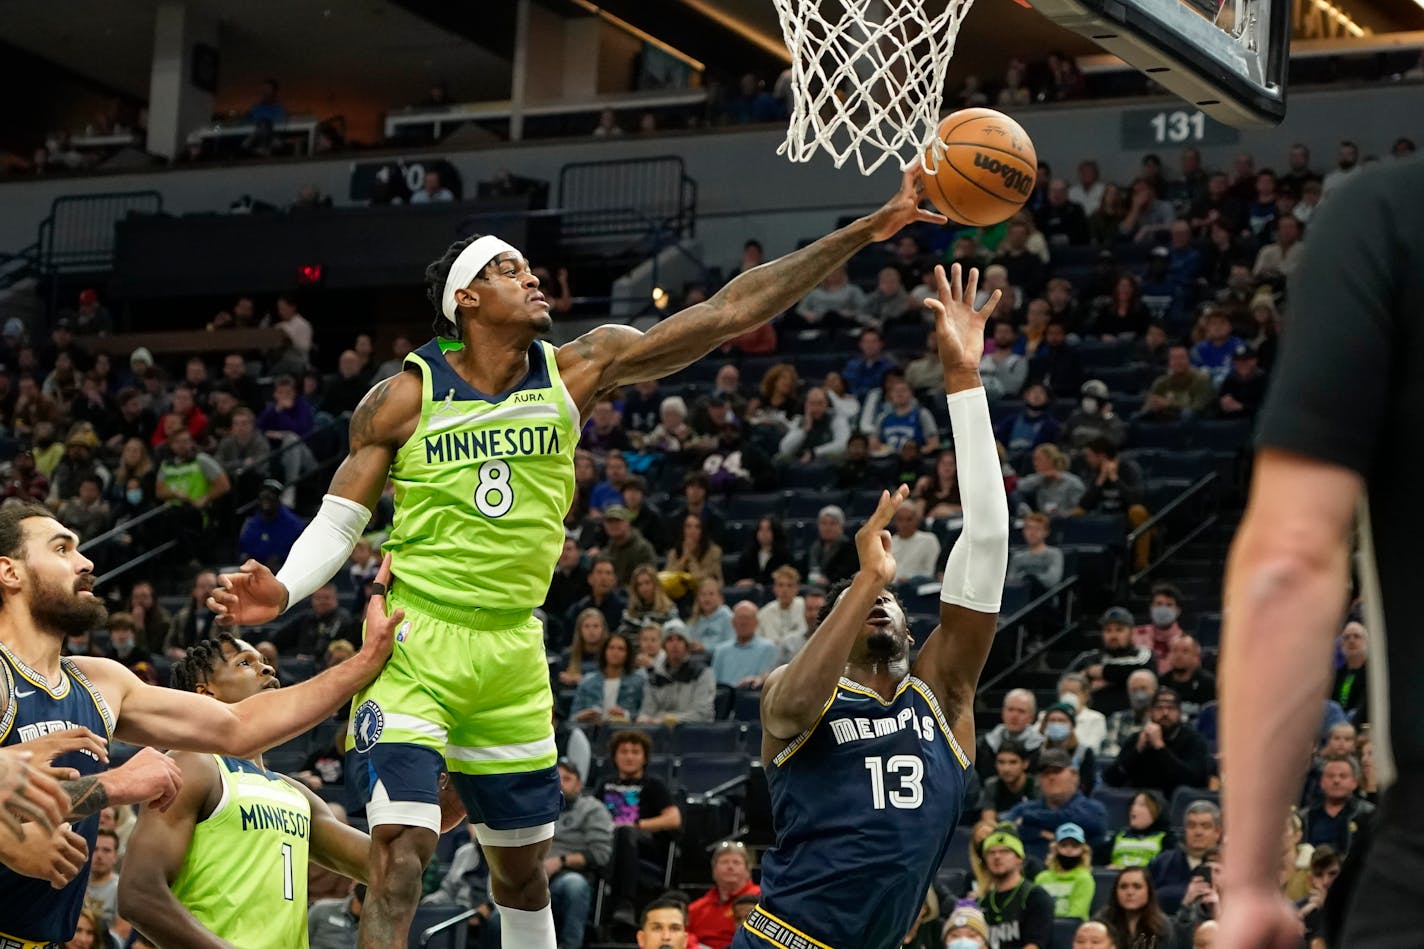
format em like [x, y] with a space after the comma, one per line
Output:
[1162, 491]
[1103, 880]
[1107, 530]
[1130, 379]
[706, 738]
[1015, 598]
[1096, 355]
[751, 738]
[752, 507]
[1116, 801]
[957, 856]
[1181, 464]
[1228, 435]
[1208, 630]
[862, 504]
[807, 504]
[747, 707]
[701, 773]
[734, 595]
[951, 882]
[452, 937]
[737, 533]
[1063, 930]
[813, 475]
[1168, 435]
[722, 705]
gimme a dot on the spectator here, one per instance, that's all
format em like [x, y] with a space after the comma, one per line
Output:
[1340, 815]
[1091, 725]
[607, 126]
[1052, 489]
[664, 925]
[466, 884]
[1132, 913]
[270, 532]
[1062, 802]
[727, 384]
[627, 547]
[678, 687]
[1056, 362]
[1106, 218]
[77, 464]
[1109, 667]
[744, 662]
[648, 602]
[87, 513]
[1124, 724]
[1003, 370]
[903, 420]
[432, 190]
[1093, 419]
[189, 479]
[151, 619]
[695, 487]
[568, 583]
[1201, 835]
[1324, 868]
[867, 371]
[581, 658]
[710, 625]
[916, 551]
[890, 302]
[1148, 217]
[764, 554]
[831, 556]
[1019, 913]
[400, 348]
[1058, 726]
[323, 621]
[1034, 425]
[1244, 390]
[835, 303]
[964, 928]
[1165, 610]
[650, 645]
[1011, 784]
[641, 405]
[645, 518]
[710, 917]
[603, 594]
[614, 691]
[1016, 717]
[1146, 834]
[125, 645]
[1115, 484]
[1026, 271]
[1062, 221]
[645, 817]
[267, 107]
[938, 493]
[604, 431]
[326, 767]
[243, 449]
[191, 624]
[817, 433]
[296, 355]
[1350, 689]
[287, 421]
[1185, 676]
[1215, 352]
[1088, 191]
[1167, 753]
[349, 387]
[815, 600]
[1068, 878]
[1183, 392]
[333, 923]
[785, 615]
[1280, 259]
[581, 848]
[695, 553]
[1347, 164]
[1202, 900]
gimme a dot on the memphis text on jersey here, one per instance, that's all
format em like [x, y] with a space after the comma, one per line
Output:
[860, 729]
[40, 729]
[492, 443]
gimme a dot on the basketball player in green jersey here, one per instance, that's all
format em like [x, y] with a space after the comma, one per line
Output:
[478, 435]
[226, 864]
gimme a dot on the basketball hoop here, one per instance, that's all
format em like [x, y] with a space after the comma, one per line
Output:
[867, 78]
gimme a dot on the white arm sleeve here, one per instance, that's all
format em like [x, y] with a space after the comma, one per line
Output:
[323, 548]
[974, 573]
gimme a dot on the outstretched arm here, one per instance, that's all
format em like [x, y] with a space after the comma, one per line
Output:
[620, 355]
[338, 847]
[795, 694]
[954, 655]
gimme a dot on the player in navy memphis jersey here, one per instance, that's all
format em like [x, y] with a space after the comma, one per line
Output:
[64, 710]
[865, 755]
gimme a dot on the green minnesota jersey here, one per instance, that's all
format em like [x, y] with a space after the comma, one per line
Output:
[483, 485]
[245, 875]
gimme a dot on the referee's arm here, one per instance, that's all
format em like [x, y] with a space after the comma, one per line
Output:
[1287, 578]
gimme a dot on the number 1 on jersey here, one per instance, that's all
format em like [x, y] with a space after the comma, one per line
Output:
[288, 891]
[911, 771]
[493, 495]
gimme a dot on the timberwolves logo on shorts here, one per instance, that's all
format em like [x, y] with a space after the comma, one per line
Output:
[368, 725]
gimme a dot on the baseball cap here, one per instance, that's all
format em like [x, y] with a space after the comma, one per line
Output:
[1116, 614]
[1245, 351]
[566, 762]
[636, 481]
[14, 326]
[87, 297]
[968, 917]
[1070, 831]
[1053, 759]
[1002, 838]
[1095, 387]
[1161, 252]
[272, 484]
[617, 512]
[1065, 708]
[675, 627]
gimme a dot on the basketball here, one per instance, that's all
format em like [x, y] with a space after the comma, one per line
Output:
[987, 169]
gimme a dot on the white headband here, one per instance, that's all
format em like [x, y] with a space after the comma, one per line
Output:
[469, 265]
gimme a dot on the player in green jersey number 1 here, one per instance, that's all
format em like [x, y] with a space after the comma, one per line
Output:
[478, 437]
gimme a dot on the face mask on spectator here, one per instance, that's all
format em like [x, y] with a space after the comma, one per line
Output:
[134, 495]
[1164, 615]
[1069, 862]
[1090, 405]
[1057, 731]
[963, 942]
[123, 649]
[1140, 699]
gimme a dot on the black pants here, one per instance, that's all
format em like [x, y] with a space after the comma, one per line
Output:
[630, 846]
[1384, 906]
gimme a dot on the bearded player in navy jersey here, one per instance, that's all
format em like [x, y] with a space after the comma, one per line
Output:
[866, 756]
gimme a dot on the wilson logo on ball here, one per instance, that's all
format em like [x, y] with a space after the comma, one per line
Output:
[1014, 179]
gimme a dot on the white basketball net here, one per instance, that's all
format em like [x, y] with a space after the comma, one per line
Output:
[868, 78]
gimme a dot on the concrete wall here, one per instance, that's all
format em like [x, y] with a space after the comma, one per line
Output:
[744, 188]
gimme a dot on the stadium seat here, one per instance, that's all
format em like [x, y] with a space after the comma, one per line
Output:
[699, 774]
[1183, 798]
[1097, 355]
[1169, 435]
[751, 739]
[1226, 435]
[1208, 630]
[747, 707]
[753, 507]
[951, 882]
[1104, 880]
[1108, 530]
[1181, 464]
[807, 504]
[706, 738]
[1063, 930]
[1116, 801]
[813, 475]
[734, 595]
[723, 704]
[957, 856]
[430, 916]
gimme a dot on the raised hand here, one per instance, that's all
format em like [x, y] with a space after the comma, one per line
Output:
[149, 777]
[56, 855]
[959, 328]
[249, 597]
[380, 636]
[904, 208]
[872, 541]
[28, 794]
[1252, 919]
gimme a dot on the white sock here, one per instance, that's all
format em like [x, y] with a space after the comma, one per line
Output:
[526, 929]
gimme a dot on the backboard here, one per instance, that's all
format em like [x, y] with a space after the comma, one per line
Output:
[1227, 57]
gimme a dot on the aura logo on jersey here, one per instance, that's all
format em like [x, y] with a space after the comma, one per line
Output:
[492, 443]
[367, 725]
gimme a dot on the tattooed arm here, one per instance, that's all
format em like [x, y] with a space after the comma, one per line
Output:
[611, 356]
[148, 776]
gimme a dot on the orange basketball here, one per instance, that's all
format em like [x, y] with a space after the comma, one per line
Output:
[987, 171]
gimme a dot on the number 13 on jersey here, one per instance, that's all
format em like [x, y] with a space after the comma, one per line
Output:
[493, 494]
[911, 773]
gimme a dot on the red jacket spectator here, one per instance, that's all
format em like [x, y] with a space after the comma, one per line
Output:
[710, 917]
